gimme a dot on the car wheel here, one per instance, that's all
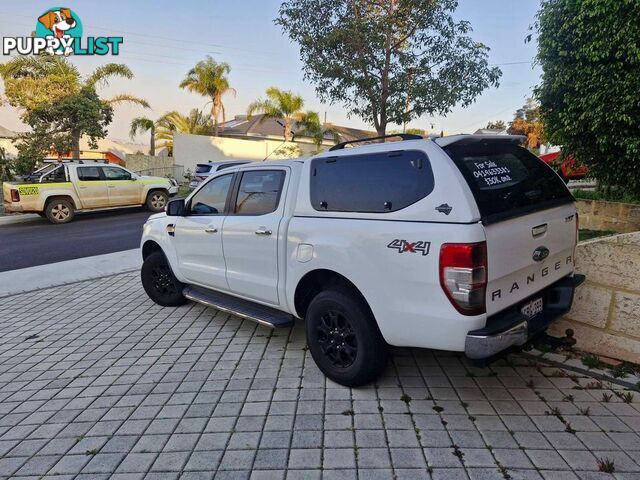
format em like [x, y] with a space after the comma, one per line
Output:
[160, 283]
[59, 211]
[156, 201]
[344, 339]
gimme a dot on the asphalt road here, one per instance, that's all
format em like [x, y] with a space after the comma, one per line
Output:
[40, 242]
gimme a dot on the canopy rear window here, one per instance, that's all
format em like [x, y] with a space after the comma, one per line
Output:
[507, 180]
[371, 182]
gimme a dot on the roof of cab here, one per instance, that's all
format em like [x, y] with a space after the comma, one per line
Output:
[450, 140]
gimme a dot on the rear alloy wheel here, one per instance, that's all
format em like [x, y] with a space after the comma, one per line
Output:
[160, 283]
[344, 338]
[59, 211]
[156, 201]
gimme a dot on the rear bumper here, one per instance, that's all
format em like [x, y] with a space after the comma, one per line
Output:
[510, 328]
[12, 208]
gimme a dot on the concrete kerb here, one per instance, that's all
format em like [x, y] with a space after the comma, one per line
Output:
[19, 218]
[30, 279]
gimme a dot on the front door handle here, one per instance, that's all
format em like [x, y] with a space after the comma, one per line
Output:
[263, 231]
[111, 186]
[211, 230]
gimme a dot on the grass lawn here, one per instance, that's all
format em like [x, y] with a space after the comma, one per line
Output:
[589, 234]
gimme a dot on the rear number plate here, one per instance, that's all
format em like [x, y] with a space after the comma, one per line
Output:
[532, 308]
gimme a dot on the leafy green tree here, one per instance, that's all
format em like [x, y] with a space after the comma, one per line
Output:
[195, 123]
[209, 79]
[589, 51]
[388, 61]
[143, 125]
[59, 104]
[279, 104]
[58, 127]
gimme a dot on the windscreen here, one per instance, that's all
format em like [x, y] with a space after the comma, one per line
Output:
[202, 168]
[507, 180]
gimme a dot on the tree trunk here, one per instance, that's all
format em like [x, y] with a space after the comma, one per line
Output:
[75, 144]
[287, 130]
[214, 114]
[381, 128]
[152, 149]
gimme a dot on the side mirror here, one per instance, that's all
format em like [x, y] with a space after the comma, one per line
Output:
[176, 208]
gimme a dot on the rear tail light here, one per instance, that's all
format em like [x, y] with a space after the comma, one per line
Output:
[15, 195]
[463, 276]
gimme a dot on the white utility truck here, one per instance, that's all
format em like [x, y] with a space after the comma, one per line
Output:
[465, 243]
[58, 190]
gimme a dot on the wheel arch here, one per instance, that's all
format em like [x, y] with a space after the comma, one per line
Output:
[315, 281]
[149, 247]
[152, 189]
[51, 198]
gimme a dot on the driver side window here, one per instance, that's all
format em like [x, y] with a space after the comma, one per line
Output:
[115, 173]
[212, 197]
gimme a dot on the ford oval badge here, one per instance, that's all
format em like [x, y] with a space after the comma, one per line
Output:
[540, 253]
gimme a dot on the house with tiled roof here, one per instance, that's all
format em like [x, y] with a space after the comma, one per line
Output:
[263, 127]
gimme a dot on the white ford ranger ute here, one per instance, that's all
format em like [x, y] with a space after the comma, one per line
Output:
[465, 243]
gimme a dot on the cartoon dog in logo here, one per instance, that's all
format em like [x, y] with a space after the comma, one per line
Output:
[58, 21]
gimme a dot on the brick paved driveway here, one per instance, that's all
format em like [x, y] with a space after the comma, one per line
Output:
[96, 381]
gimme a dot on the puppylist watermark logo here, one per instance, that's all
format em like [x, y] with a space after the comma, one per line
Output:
[59, 32]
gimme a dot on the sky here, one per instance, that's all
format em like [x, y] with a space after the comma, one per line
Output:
[163, 39]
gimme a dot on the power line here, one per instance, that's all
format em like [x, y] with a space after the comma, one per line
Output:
[157, 37]
[527, 62]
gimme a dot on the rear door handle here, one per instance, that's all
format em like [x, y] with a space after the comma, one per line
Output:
[211, 230]
[263, 231]
[111, 186]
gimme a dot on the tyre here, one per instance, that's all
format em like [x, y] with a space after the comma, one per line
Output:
[157, 200]
[59, 210]
[159, 281]
[344, 339]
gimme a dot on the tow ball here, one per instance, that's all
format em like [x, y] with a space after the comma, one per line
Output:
[565, 342]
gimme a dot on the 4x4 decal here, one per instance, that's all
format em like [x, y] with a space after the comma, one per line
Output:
[403, 246]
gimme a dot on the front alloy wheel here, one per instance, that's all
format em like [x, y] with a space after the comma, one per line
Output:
[159, 282]
[156, 201]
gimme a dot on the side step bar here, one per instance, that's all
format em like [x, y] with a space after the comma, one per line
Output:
[267, 316]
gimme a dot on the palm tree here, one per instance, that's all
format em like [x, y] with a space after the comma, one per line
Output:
[195, 123]
[310, 126]
[279, 104]
[143, 125]
[209, 79]
[47, 78]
